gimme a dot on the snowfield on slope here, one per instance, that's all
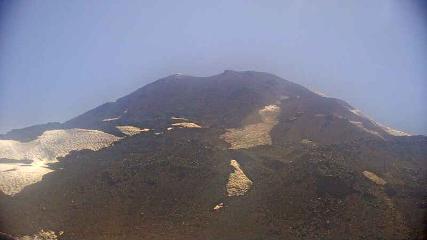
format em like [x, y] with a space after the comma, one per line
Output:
[14, 176]
[374, 178]
[55, 143]
[238, 183]
[131, 130]
[255, 134]
[186, 125]
[388, 130]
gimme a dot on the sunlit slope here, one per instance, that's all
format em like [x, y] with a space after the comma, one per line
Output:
[55, 143]
[36, 154]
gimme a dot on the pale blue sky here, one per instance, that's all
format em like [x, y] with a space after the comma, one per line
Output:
[61, 58]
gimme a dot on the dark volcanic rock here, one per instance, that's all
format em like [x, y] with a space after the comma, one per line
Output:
[307, 183]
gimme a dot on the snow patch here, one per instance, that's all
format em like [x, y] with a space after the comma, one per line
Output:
[388, 130]
[43, 235]
[307, 142]
[395, 132]
[110, 119]
[374, 178]
[255, 134]
[179, 118]
[131, 130]
[14, 177]
[219, 206]
[186, 125]
[319, 93]
[357, 112]
[45, 149]
[56, 143]
[361, 126]
[238, 183]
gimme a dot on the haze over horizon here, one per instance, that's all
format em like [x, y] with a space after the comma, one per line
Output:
[60, 58]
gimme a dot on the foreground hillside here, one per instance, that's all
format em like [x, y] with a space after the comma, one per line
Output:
[239, 155]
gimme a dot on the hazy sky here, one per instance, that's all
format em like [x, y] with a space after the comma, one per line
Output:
[61, 58]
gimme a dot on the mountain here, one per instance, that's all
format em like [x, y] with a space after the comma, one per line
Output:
[238, 155]
[29, 133]
[226, 100]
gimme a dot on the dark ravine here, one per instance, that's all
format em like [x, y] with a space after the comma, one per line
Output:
[309, 158]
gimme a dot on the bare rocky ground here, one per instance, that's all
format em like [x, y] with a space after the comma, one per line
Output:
[239, 155]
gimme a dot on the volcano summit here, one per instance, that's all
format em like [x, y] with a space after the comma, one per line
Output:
[238, 155]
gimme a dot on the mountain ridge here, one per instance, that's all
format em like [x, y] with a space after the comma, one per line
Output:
[111, 110]
[238, 155]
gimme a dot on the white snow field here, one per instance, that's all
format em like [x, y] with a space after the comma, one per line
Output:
[43, 235]
[255, 134]
[238, 183]
[110, 119]
[388, 130]
[14, 176]
[179, 118]
[186, 125]
[131, 130]
[374, 178]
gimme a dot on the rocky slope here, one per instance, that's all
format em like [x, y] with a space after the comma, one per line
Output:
[238, 155]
